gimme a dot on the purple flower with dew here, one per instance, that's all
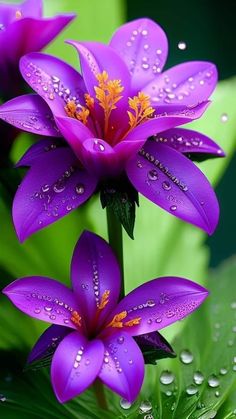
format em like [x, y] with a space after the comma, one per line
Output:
[23, 29]
[106, 115]
[92, 333]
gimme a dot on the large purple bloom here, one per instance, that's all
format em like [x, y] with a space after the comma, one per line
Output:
[106, 115]
[93, 332]
[23, 29]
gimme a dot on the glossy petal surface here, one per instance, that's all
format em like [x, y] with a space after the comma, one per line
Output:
[173, 182]
[95, 271]
[189, 83]
[167, 117]
[30, 113]
[123, 366]
[159, 303]
[43, 298]
[143, 46]
[75, 365]
[53, 79]
[48, 342]
[39, 149]
[53, 187]
[189, 141]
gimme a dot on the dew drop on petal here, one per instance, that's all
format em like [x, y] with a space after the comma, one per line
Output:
[124, 404]
[191, 390]
[37, 310]
[182, 45]
[98, 146]
[213, 381]
[217, 393]
[79, 189]
[167, 377]
[120, 339]
[173, 208]
[145, 407]
[223, 371]
[186, 357]
[198, 378]
[152, 175]
[168, 393]
[166, 185]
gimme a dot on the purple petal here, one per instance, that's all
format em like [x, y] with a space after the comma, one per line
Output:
[143, 46]
[95, 271]
[47, 343]
[20, 34]
[188, 141]
[38, 150]
[30, 113]
[74, 132]
[159, 303]
[123, 365]
[189, 83]
[75, 365]
[53, 187]
[43, 298]
[100, 158]
[126, 149]
[28, 8]
[168, 117]
[173, 182]
[53, 79]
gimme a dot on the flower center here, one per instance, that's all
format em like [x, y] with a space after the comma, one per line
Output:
[118, 320]
[108, 93]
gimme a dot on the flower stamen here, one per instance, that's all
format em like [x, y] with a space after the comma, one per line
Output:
[72, 111]
[117, 320]
[104, 300]
[76, 318]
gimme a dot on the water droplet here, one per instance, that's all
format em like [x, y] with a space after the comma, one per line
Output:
[55, 79]
[106, 360]
[153, 175]
[198, 378]
[191, 390]
[98, 146]
[145, 47]
[213, 381]
[173, 208]
[182, 45]
[45, 188]
[119, 370]
[37, 310]
[66, 321]
[168, 393]
[79, 189]
[125, 404]
[51, 96]
[223, 371]
[159, 51]
[131, 361]
[166, 185]
[52, 317]
[217, 393]
[2, 27]
[233, 305]
[224, 117]
[59, 187]
[211, 414]
[145, 66]
[186, 357]
[234, 368]
[148, 417]
[76, 364]
[120, 339]
[167, 377]
[145, 407]
[2, 398]
[144, 32]
[47, 308]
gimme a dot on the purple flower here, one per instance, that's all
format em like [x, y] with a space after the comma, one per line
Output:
[93, 332]
[106, 115]
[22, 30]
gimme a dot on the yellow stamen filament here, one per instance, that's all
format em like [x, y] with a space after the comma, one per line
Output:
[89, 100]
[72, 111]
[104, 300]
[18, 14]
[117, 320]
[141, 110]
[108, 93]
[76, 318]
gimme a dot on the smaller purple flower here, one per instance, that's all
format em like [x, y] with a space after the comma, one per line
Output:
[23, 29]
[92, 332]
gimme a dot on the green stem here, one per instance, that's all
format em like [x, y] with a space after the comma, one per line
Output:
[114, 228]
[100, 394]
